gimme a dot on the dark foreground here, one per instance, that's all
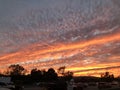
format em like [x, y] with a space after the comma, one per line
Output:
[88, 88]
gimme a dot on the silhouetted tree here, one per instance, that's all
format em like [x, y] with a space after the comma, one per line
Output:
[16, 70]
[51, 75]
[68, 75]
[61, 70]
[36, 75]
[107, 77]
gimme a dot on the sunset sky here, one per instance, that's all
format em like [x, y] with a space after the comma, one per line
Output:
[83, 35]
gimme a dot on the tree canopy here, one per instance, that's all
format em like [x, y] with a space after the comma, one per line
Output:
[16, 69]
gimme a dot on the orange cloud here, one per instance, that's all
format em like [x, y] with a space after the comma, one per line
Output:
[56, 54]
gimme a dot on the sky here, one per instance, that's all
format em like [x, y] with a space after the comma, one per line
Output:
[82, 35]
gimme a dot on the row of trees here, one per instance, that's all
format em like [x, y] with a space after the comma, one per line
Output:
[18, 73]
[107, 77]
